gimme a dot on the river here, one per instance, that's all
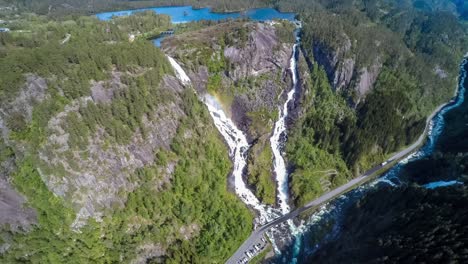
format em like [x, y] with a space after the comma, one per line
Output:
[335, 227]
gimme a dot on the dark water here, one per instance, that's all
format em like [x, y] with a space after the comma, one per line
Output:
[426, 191]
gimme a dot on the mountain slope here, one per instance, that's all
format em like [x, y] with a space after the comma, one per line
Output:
[98, 136]
[368, 81]
[245, 65]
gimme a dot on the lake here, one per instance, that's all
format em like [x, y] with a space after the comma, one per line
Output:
[185, 14]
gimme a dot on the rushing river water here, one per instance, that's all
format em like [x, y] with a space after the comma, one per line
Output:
[326, 224]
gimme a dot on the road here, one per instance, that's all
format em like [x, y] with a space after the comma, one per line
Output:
[258, 234]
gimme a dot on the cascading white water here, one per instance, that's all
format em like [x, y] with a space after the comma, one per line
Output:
[180, 73]
[276, 141]
[238, 147]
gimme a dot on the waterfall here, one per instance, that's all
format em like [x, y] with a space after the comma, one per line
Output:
[238, 148]
[278, 138]
[238, 145]
[180, 73]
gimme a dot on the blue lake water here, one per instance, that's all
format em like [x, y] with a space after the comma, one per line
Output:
[184, 14]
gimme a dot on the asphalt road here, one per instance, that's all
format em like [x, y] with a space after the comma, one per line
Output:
[258, 234]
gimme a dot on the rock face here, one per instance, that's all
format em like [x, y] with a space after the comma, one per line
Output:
[257, 73]
[342, 71]
[367, 78]
[96, 181]
[17, 114]
[199, 78]
[263, 53]
[339, 68]
[297, 107]
[13, 211]
[266, 60]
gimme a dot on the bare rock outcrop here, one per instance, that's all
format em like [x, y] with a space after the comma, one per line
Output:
[337, 63]
[266, 60]
[342, 70]
[16, 114]
[367, 78]
[263, 53]
[257, 74]
[96, 178]
[14, 213]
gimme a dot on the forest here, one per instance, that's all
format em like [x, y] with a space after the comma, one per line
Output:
[408, 224]
[59, 8]
[341, 133]
[196, 196]
[64, 8]
[337, 136]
